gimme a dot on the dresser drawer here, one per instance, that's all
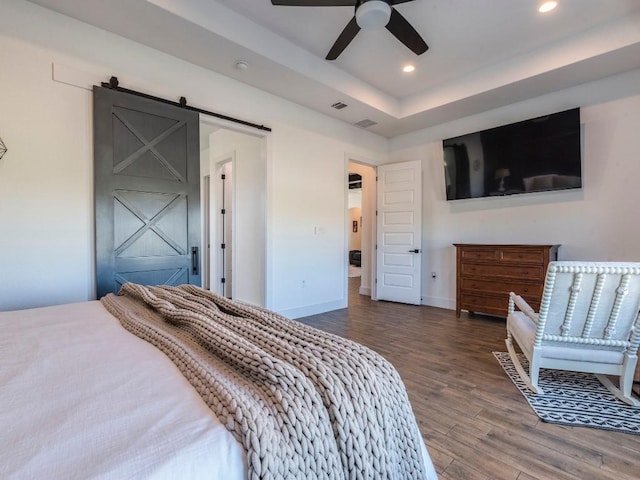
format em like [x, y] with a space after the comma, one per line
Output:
[480, 303]
[506, 255]
[501, 286]
[482, 254]
[507, 271]
[492, 304]
[522, 256]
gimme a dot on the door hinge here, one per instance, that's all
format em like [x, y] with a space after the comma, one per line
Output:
[223, 246]
[223, 280]
[223, 176]
[223, 211]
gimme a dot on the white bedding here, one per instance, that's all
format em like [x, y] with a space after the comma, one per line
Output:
[81, 398]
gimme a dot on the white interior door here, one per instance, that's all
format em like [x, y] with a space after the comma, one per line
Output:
[399, 239]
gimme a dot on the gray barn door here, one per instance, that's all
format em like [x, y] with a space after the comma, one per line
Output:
[147, 192]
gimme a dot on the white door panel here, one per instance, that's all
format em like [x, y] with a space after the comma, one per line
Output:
[399, 232]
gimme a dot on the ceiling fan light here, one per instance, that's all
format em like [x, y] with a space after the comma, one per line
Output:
[547, 6]
[373, 14]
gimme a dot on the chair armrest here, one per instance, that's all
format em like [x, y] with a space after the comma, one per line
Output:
[524, 307]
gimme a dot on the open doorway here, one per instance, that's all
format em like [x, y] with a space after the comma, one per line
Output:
[233, 172]
[361, 228]
[354, 205]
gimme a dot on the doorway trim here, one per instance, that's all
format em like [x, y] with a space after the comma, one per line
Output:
[216, 255]
[206, 231]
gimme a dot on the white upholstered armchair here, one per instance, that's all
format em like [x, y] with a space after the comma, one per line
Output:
[588, 322]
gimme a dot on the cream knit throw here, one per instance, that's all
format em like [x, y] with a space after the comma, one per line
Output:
[305, 404]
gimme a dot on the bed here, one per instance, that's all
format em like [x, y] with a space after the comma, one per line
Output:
[84, 397]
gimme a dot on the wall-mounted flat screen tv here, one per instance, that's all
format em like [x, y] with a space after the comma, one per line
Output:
[535, 155]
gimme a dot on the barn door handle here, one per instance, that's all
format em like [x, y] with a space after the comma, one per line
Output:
[194, 260]
[417, 250]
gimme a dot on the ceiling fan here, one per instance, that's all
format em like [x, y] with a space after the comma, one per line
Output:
[369, 14]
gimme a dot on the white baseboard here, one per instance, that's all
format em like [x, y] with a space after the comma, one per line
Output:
[439, 302]
[308, 310]
[365, 291]
[300, 312]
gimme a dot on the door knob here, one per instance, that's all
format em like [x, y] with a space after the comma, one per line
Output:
[417, 250]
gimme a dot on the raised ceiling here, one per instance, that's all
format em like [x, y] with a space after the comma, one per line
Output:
[483, 53]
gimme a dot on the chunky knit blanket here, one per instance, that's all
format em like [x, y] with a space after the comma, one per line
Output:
[305, 404]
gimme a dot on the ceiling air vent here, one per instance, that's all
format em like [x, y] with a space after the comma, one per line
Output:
[366, 123]
[339, 105]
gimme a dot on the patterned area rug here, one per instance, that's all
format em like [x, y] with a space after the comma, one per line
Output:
[575, 399]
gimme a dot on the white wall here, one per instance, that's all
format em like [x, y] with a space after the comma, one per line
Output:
[46, 206]
[597, 222]
[307, 228]
[46, 197]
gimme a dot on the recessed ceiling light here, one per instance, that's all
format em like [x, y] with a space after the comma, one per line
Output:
[241, 65]
[547, 6]
[408, 68]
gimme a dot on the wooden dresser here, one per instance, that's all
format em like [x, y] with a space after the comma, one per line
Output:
[485, 274]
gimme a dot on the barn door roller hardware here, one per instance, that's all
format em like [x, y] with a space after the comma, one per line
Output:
[114, 84]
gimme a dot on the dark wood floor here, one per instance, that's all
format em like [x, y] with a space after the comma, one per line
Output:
[474, 421]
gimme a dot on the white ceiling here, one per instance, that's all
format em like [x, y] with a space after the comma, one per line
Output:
[483, 53]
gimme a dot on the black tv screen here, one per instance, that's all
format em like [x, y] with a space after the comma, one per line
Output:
[535, 155]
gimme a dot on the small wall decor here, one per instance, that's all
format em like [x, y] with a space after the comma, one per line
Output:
[355, 226]
[3, 149]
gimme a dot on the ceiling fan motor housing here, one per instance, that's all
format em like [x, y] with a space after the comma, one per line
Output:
[372, 14]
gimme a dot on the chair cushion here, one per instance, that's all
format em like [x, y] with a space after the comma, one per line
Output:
[524, 333]
[523, 330]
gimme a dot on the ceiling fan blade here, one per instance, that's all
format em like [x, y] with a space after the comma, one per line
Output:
[403, 31]
[316, 3]
[344, 39]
